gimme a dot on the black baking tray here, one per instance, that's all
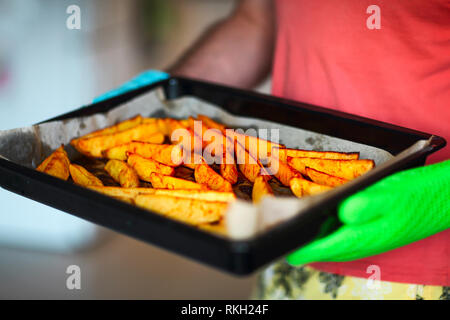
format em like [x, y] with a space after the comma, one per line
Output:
[238, 257]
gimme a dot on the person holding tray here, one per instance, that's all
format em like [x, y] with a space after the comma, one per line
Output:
[387, 61]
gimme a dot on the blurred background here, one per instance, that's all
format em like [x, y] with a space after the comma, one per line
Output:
[46, 70]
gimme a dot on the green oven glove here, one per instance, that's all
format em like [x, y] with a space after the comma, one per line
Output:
[144, 79]
[398, 210]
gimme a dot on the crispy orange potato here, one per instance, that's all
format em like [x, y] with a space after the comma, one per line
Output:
[250, 167]
[228, 169]
[83, 177]
[122, 192]
[210, 123]
[182, 135]
[56, 165]
[149, 120]
[173, 124]
[346, 169]
[207, 176]
[261, 189]
[160, 181]
[122, 173]
[285, 172]
[168, 154]
[190, 163]
[301, 187]
[207, 195]
[198, 132]
[259, 148]
[94, 146]
[121, 126]
[297, 153]
[162, 126]
[229, 172]
[324, 178]
[145, 167]
[190, 211]
[157, 138]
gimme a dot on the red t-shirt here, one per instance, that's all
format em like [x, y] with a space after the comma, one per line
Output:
[328, 56]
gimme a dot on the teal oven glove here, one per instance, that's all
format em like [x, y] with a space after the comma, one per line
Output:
[398, 210]
[144, 79]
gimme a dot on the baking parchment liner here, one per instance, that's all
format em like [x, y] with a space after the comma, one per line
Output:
[29, 146]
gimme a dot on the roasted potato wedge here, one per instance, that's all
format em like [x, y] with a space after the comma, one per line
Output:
[186, 138]
[122, 192]
[207, 176]
[228, 169]
[94, 146]
[284, 153]
[56, 165]
[301, 187]
[160, 181]
[346, 169]
[83, 177]
[157, 138]
[122, 173]
[210, 123]
[250, 167]
[145, 167]
[190, 163]
[259, 148]
[121, 126]
[190, 211]
[324, 178]
[285, 172]
[207, 195]
[261, 189]
[168, 154]
[229, 172]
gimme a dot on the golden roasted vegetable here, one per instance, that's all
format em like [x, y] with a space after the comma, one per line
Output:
[257, 147]
[210, 123]
[217, 142]
[199, 129]
[190, 163]
[283, 172]
[157, 138]
[229, 172]
[347, 169]
[261, 189]
[56, 165]
[121, 126]
[94, 146]
[283, 154]
[250, 167]
[145, 167]
[162, 126]
[207, 195]
[83, 177]
[185, 137]
[160, 181]
[170, 155]
[190, 211]
[324, 178]
[207, 176]
[301, 187]
[119, 192]
[122, 173]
